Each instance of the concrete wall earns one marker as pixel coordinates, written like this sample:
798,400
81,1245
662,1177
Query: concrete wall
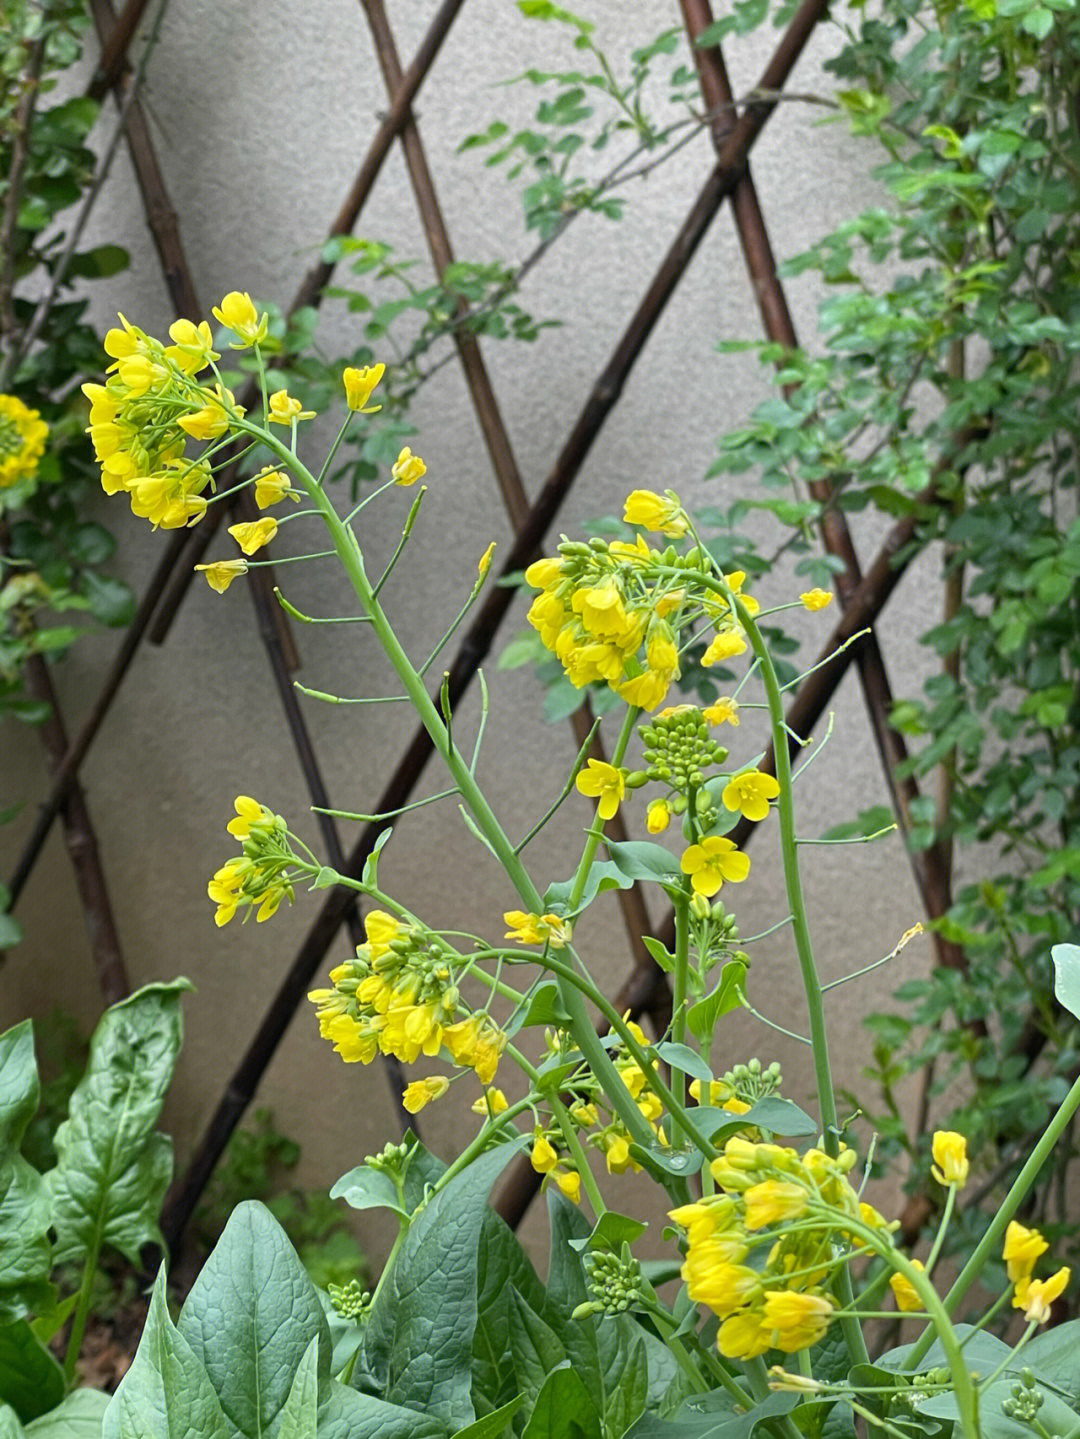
262,114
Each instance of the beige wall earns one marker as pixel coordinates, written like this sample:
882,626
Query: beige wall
262,114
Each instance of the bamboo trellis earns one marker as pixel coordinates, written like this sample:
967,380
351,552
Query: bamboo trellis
863,592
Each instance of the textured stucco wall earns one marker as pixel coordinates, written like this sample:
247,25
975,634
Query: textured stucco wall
261,114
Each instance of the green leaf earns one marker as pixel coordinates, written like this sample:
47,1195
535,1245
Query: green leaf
300,1415
638,859
111,601
113,1169
602,876
25,1205
779,1116
166,1394
1066,959
250,1317
345,1414
725,997
610,1231
98,263
78,1417
1052,1356
31,1381
366,1188
681,1056
660,953
493,1424
419,1337
563,1409
370,875
505,1280
10,1428
709,1416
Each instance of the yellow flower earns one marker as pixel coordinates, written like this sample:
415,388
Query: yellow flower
485,560
604,782
617,1153
359,385
192,348
537,929
1035,1296
797,1321
907,1296
744,1336
750,793
284,409
816,599
725,646
22,440
122,344
656,512
1022,1248
569,1181
772,1200
254,534
423,1091
712,862
658,816
543,1156
221,573
237,313
272,486
584,1114
492,1101
950,1158
408,468
722,711
248,812
544,574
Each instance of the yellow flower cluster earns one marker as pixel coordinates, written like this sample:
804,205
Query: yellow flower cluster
22,440
143,416
398,996
797,1205
261,875
1023,1247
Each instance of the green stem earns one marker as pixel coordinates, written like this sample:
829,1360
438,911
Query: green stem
681,907
479,1144
991,1240
82,1314
939,1238
577,1151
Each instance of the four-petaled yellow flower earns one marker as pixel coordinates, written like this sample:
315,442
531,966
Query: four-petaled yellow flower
283,409
660,513
907,1296
750,793
408,468
725,645
22,440
252,535
1035,1296
423,1091
538,929
816,599
722,711
272,486
221,573
248,812
950,1158
237,313
359,385
712,862
604,782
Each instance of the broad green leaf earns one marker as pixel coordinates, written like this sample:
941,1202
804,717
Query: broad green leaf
699,1419
545,1007
602,876
346,1414
31,1381
78,1417
250,1318
166,1394
300,1416
779,1116
994,1423
982,1351
639,859
367,1188
10,1428
25,1205
1066,959
503,1272
610,1231
493,1424
725,997
1052,1355
113,1169
626,1388
419,1336
563,1409
681,1056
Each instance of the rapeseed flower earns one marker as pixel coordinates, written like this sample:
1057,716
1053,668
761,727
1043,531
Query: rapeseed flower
950,1158
750,792
712,862
359,384
252,535
221,573
23,434
408,468
603,782
237,313
816,599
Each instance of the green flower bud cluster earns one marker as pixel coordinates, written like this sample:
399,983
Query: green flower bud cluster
392,1159
753,1081
1025,1401
614,1281
679,749
350,1300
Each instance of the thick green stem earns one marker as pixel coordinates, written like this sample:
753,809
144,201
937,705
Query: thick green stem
82,1314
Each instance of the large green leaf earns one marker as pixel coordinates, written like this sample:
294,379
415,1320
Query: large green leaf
699,1419
250,1318
166,1393
25,1206
300,1416
419,1337
1066,959
78,1417
503,1271
563,1409
10,1428
113,1169
31,1381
